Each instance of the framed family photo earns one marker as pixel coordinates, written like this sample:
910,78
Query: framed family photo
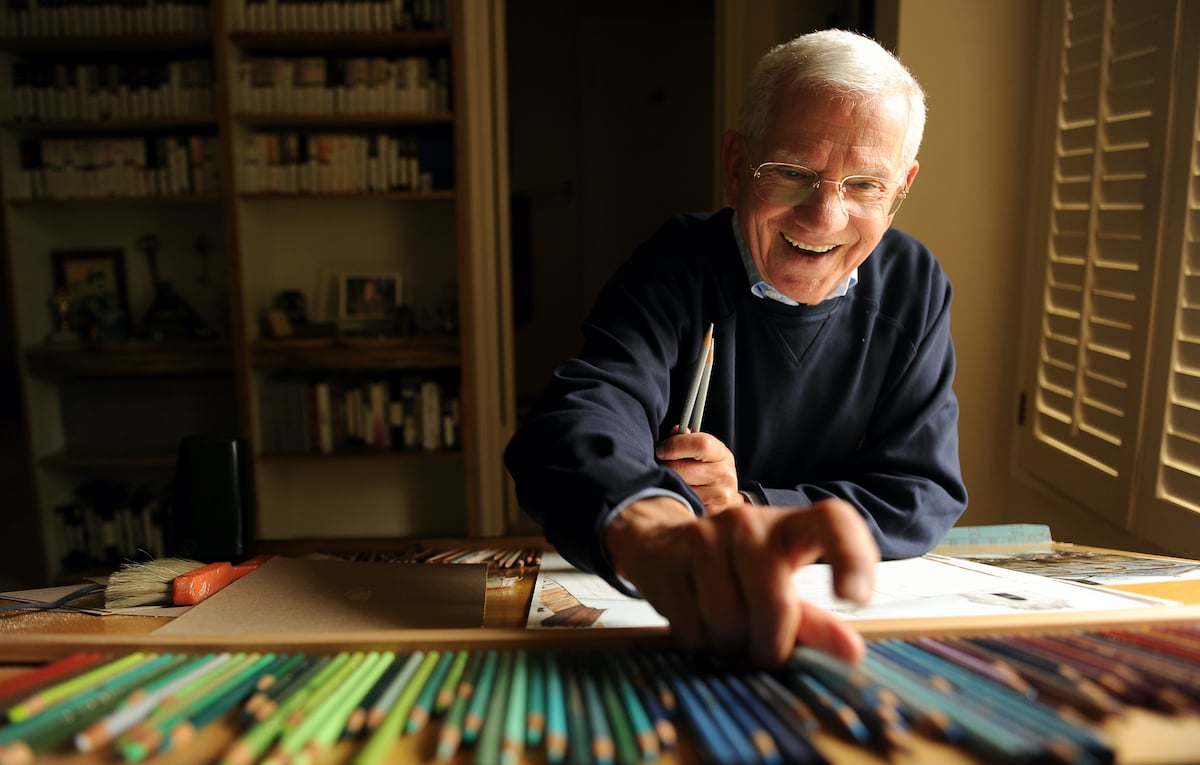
93,283
368,295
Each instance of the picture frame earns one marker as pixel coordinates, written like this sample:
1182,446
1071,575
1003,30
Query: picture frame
92,282
371,296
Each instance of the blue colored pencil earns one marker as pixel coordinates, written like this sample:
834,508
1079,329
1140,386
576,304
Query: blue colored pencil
579,736
1078,742
871,704
713,737
994,739
787,744
602,725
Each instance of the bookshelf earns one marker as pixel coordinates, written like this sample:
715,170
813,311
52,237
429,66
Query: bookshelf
258,164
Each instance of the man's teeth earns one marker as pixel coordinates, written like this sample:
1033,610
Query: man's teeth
809,247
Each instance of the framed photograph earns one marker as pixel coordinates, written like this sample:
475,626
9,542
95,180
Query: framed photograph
368,295
92,283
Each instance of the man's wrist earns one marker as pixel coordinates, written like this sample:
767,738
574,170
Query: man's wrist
626,531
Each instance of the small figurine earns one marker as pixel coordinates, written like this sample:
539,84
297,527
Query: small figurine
61,301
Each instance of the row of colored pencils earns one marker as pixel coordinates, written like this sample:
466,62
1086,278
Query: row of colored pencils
1010,698
504,558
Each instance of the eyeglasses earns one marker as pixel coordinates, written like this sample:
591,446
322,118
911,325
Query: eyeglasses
863,196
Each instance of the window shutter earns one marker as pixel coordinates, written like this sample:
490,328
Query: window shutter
1097,236
1169,510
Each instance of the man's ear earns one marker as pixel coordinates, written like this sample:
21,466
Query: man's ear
735,165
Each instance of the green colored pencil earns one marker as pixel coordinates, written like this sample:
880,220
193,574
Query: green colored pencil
253,744
331,719
449,687
379,745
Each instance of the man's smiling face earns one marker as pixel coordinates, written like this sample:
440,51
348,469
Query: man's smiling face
806,250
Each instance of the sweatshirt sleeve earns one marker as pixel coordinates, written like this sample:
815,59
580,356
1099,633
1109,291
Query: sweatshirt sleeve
587,444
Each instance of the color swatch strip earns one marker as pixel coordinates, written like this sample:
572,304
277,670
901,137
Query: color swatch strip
1007,698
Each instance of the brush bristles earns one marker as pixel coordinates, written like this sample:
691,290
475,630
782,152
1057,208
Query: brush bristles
145,584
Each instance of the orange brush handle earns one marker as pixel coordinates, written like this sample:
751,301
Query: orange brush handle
191,588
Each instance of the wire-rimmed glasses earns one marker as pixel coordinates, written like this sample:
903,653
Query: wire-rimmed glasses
863,196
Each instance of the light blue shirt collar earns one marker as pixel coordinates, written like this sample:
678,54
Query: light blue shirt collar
759,285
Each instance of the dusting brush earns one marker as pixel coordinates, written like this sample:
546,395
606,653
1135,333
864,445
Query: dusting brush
172,581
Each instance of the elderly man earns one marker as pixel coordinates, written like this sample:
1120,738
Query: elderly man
830,423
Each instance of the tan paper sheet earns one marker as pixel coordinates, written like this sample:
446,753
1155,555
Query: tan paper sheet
298,595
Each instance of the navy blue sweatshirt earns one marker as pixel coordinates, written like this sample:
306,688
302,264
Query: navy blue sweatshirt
850,398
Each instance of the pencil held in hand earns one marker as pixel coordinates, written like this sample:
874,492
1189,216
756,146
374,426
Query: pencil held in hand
172,581
693,408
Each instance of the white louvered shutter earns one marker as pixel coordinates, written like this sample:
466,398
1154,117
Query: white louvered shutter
1099,188
1168,507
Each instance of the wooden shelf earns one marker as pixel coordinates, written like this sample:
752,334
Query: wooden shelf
95,459
411,195
363,454
170,199
150,41
415,39
291,119
118,124
344,353
138,358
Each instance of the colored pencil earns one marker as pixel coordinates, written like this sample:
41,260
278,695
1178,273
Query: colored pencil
491,730
148,736
449,688
703,365
477,706
556,710
535,715
512,741
356,723
396,686
383,738
254,743
270,700
139,706
216,702
860,693
332,721
579,736
22,741
423,705
710,736
46,697
44,676
639,719
450,735
610,728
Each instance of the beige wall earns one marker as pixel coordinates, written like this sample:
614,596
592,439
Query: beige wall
976,60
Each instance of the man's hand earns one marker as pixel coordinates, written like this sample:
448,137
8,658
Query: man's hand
725,582
706,464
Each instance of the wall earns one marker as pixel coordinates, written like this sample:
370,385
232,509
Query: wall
976,60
